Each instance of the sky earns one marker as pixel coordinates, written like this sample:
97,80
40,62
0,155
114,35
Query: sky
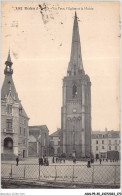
40,46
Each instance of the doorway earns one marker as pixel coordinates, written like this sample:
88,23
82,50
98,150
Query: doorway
23,153
8,145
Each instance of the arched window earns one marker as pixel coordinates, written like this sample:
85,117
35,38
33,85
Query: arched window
74,91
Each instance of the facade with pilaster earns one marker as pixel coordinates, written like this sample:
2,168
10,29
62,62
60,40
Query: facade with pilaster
14,120
76,109
106,144
38,145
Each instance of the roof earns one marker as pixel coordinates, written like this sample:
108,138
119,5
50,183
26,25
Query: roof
75,57
32,138
23,111
8,82
7,87
9,58
106,134
56,133
38,127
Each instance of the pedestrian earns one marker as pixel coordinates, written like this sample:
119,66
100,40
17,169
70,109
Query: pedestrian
88,164
64,160
17,161
74,160
47,162
41,161
44,160
100,160
56,159
53,160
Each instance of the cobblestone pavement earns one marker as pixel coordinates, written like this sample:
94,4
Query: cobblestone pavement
106,173
67,162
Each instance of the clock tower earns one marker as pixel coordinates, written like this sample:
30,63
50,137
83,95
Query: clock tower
76,109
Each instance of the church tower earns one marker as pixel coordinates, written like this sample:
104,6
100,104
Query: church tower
14,120
76,109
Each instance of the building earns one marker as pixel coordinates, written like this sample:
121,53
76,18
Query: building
76,109
14,120
54,143
106,144
38,145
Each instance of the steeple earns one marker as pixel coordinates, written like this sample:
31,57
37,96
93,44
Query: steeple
8,69
75,65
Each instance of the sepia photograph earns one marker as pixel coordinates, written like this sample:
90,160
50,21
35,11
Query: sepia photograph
60,95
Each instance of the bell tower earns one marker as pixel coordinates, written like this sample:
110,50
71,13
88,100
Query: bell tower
8,69
76,109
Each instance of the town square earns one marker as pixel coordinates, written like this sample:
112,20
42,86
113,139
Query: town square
60,104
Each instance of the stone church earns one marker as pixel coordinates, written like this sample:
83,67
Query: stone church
76,109
14,120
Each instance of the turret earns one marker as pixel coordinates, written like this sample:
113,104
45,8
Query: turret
8,69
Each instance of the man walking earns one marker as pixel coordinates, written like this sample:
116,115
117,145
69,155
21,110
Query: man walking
17,161
100,160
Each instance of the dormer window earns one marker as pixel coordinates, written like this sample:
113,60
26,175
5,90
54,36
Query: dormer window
9,109
20,110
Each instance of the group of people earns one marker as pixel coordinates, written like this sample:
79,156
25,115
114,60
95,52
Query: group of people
43,161
58,160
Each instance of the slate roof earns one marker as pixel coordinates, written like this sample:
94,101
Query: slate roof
106,134
38,128
56,133
8,81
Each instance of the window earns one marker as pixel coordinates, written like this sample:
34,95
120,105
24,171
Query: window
102,147
96,141
9,109
103,136
9,123
20,131
20,110
115,141
109,141
115,147
25,122
24,141
74,91
102,141
52,143
96,147
109,147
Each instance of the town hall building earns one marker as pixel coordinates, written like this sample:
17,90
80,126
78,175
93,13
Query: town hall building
76,109
14,120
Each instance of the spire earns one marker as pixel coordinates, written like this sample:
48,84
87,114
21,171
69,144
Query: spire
8,69
75,64
9,58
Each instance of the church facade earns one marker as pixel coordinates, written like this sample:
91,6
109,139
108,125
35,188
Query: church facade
14,120
76,109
